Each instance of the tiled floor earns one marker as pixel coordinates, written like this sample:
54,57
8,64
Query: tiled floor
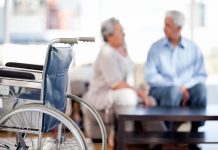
166,147
144,147
210,125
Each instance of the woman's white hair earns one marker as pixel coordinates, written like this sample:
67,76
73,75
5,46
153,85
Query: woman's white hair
177,16
107,27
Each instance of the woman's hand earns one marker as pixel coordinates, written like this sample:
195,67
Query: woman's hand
147,101
145,98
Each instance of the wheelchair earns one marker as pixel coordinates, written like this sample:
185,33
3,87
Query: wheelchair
33,101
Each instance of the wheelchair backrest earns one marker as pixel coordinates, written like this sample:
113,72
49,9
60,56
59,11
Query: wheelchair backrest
55,79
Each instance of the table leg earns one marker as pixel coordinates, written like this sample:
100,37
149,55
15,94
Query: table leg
120,145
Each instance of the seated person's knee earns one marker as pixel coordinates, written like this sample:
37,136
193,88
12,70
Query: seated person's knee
201,90
173,97
125,97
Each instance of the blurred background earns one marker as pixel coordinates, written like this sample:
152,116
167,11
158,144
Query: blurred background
28,25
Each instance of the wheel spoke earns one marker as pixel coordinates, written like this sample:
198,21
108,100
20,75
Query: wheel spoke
25,122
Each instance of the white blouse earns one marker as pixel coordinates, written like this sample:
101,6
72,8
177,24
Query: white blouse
110,68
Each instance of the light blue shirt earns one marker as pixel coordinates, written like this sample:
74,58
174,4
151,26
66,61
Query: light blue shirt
179,66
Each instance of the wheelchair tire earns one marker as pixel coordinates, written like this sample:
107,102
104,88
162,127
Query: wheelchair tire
21,130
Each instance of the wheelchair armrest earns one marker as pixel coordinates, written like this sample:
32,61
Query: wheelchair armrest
24,66
16,74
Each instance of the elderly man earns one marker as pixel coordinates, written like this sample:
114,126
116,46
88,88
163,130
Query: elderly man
175,68
109,84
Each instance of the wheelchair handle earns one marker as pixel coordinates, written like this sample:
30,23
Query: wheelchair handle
72,40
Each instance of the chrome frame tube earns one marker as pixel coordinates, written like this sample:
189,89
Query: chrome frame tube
97,117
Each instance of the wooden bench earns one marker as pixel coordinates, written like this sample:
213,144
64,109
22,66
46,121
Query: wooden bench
141,113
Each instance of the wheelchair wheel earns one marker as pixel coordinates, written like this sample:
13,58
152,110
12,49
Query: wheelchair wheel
92,113
21,129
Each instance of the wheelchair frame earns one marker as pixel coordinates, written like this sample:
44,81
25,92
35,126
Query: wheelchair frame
31,82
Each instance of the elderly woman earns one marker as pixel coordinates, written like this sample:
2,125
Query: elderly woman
109,85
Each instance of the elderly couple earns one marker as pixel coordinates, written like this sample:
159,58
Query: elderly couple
174,70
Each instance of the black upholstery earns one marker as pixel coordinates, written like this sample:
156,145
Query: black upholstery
24,65
16,74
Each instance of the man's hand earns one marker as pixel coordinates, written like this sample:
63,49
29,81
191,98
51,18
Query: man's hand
185,95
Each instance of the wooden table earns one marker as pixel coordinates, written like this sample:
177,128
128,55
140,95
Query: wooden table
141,113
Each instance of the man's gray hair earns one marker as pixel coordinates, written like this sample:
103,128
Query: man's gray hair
107,27
177,16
